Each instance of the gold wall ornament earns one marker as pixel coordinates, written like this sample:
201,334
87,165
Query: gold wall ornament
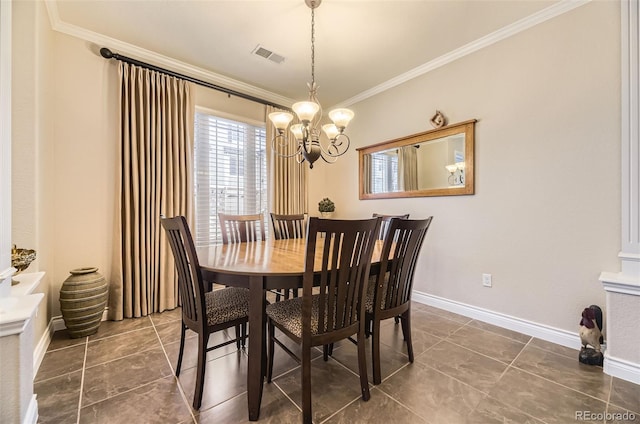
21,259
438,120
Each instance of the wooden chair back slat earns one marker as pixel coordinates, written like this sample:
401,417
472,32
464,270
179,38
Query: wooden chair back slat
403,243
190,283
289,226
241,228
384,225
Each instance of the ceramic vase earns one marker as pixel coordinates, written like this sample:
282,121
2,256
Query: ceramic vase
83,297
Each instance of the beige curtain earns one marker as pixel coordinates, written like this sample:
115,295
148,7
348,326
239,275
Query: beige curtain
155,178
407,168
366,173
287,177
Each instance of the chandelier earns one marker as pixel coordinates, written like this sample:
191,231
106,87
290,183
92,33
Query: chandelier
307,144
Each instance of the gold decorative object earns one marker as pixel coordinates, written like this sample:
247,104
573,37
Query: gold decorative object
21,259
438,120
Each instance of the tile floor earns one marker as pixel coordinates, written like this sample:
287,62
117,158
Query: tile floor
465,371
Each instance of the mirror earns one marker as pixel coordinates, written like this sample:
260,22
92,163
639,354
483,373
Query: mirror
432,163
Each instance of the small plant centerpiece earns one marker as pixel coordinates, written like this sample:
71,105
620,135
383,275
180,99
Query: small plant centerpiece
326,207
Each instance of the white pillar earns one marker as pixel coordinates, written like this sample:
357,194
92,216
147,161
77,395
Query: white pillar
17,401
5,149
622,357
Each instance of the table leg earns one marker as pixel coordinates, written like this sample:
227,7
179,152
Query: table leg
257,345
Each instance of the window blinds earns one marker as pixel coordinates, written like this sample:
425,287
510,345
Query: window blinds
230,173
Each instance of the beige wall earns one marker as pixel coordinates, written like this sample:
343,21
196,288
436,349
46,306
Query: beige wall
546,214
32,144
234,106
545,219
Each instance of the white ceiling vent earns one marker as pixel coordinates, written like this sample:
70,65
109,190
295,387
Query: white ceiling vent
268,54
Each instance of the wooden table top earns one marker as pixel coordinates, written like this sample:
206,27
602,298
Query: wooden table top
270,257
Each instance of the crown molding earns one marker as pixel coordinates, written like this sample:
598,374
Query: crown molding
505,32
157,59
160,60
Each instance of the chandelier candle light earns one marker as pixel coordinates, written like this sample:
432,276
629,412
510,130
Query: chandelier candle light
307,134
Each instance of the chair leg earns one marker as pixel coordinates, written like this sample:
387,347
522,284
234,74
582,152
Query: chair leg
306,385
271,344
202,363
367,325
325,352
244,335
375,352
406,331
238,336
182,337
362,366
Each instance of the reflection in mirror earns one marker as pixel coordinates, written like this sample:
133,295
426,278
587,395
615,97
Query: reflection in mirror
433,163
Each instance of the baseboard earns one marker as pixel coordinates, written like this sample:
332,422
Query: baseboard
41,348
55,324
615,367
530,328
31,417
622,369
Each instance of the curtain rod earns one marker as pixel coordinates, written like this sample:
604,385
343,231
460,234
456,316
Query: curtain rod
108,54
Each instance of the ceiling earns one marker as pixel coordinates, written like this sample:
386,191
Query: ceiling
361,46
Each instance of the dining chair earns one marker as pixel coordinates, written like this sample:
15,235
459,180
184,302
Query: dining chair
203,312
384,225
241,228
390,296
289,226
337,263
384,228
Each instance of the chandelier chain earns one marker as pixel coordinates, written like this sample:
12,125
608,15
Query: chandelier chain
313,49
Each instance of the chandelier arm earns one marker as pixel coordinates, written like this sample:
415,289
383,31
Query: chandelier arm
277,150
335,149
329,158
305,143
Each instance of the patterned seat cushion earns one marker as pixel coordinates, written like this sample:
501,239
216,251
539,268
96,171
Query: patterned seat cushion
288,313
371,287
226,305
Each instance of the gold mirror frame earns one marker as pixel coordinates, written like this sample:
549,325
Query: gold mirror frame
467,128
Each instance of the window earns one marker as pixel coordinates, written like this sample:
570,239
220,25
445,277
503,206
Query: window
230,172
385,171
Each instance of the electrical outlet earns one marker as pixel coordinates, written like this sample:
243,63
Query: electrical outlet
486,280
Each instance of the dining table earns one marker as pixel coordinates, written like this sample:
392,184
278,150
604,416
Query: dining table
259,266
